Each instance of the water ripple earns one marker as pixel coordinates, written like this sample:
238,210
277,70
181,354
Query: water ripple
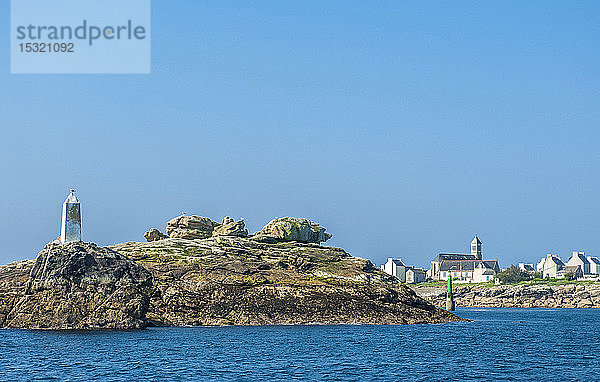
501,344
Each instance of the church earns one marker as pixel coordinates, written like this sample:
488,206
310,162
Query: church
464,267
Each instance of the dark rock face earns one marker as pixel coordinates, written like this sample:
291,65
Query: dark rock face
82,286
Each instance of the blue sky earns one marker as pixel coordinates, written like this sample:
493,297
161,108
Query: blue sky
404,128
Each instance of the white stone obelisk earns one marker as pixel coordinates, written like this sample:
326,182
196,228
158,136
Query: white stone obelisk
70,229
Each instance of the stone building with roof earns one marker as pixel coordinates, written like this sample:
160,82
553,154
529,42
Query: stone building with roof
573,270
550,266
395,267
579,259
529,268
403,272
594,265
464,267
415,275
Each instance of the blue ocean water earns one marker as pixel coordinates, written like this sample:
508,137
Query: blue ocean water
500,344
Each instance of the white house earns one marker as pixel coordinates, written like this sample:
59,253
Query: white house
550,266
594,265
540,265
579,259
395,267
403,272
481,273
526,267
415,275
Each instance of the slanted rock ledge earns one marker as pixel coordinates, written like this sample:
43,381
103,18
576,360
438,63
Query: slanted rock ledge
219,280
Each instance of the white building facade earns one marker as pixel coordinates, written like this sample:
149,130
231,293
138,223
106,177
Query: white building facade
550,266
579,259
403,272
395,267
594,265
415,275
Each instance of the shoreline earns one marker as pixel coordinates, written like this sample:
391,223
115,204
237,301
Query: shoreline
568,295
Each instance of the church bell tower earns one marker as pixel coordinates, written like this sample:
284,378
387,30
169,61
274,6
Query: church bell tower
476,248
70,229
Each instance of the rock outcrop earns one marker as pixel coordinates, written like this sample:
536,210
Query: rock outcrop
223,279
239,281
230,227
294,229
13,282
154,235
575,295
191,227
78,286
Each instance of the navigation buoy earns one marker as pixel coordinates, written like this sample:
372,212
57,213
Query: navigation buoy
450,298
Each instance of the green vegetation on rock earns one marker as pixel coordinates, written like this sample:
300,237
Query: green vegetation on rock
513,275
219,280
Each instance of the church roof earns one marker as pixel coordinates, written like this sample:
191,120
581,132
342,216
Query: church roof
454,256
476,240
468,265
492,264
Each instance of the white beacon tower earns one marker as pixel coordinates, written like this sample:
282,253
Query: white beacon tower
70,229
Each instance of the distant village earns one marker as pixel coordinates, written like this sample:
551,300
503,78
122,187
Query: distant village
472,268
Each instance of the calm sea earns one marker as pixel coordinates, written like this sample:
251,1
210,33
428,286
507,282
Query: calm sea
501,344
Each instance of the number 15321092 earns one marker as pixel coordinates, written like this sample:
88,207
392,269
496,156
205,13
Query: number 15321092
42,47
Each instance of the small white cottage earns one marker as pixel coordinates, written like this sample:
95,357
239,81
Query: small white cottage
594,265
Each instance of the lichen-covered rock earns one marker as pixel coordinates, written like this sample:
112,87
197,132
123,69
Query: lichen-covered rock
239,281
81,286
221,280
154,235
230,227
294,229
191,227
13,282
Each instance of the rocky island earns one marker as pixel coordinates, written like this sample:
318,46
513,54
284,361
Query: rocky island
206,273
